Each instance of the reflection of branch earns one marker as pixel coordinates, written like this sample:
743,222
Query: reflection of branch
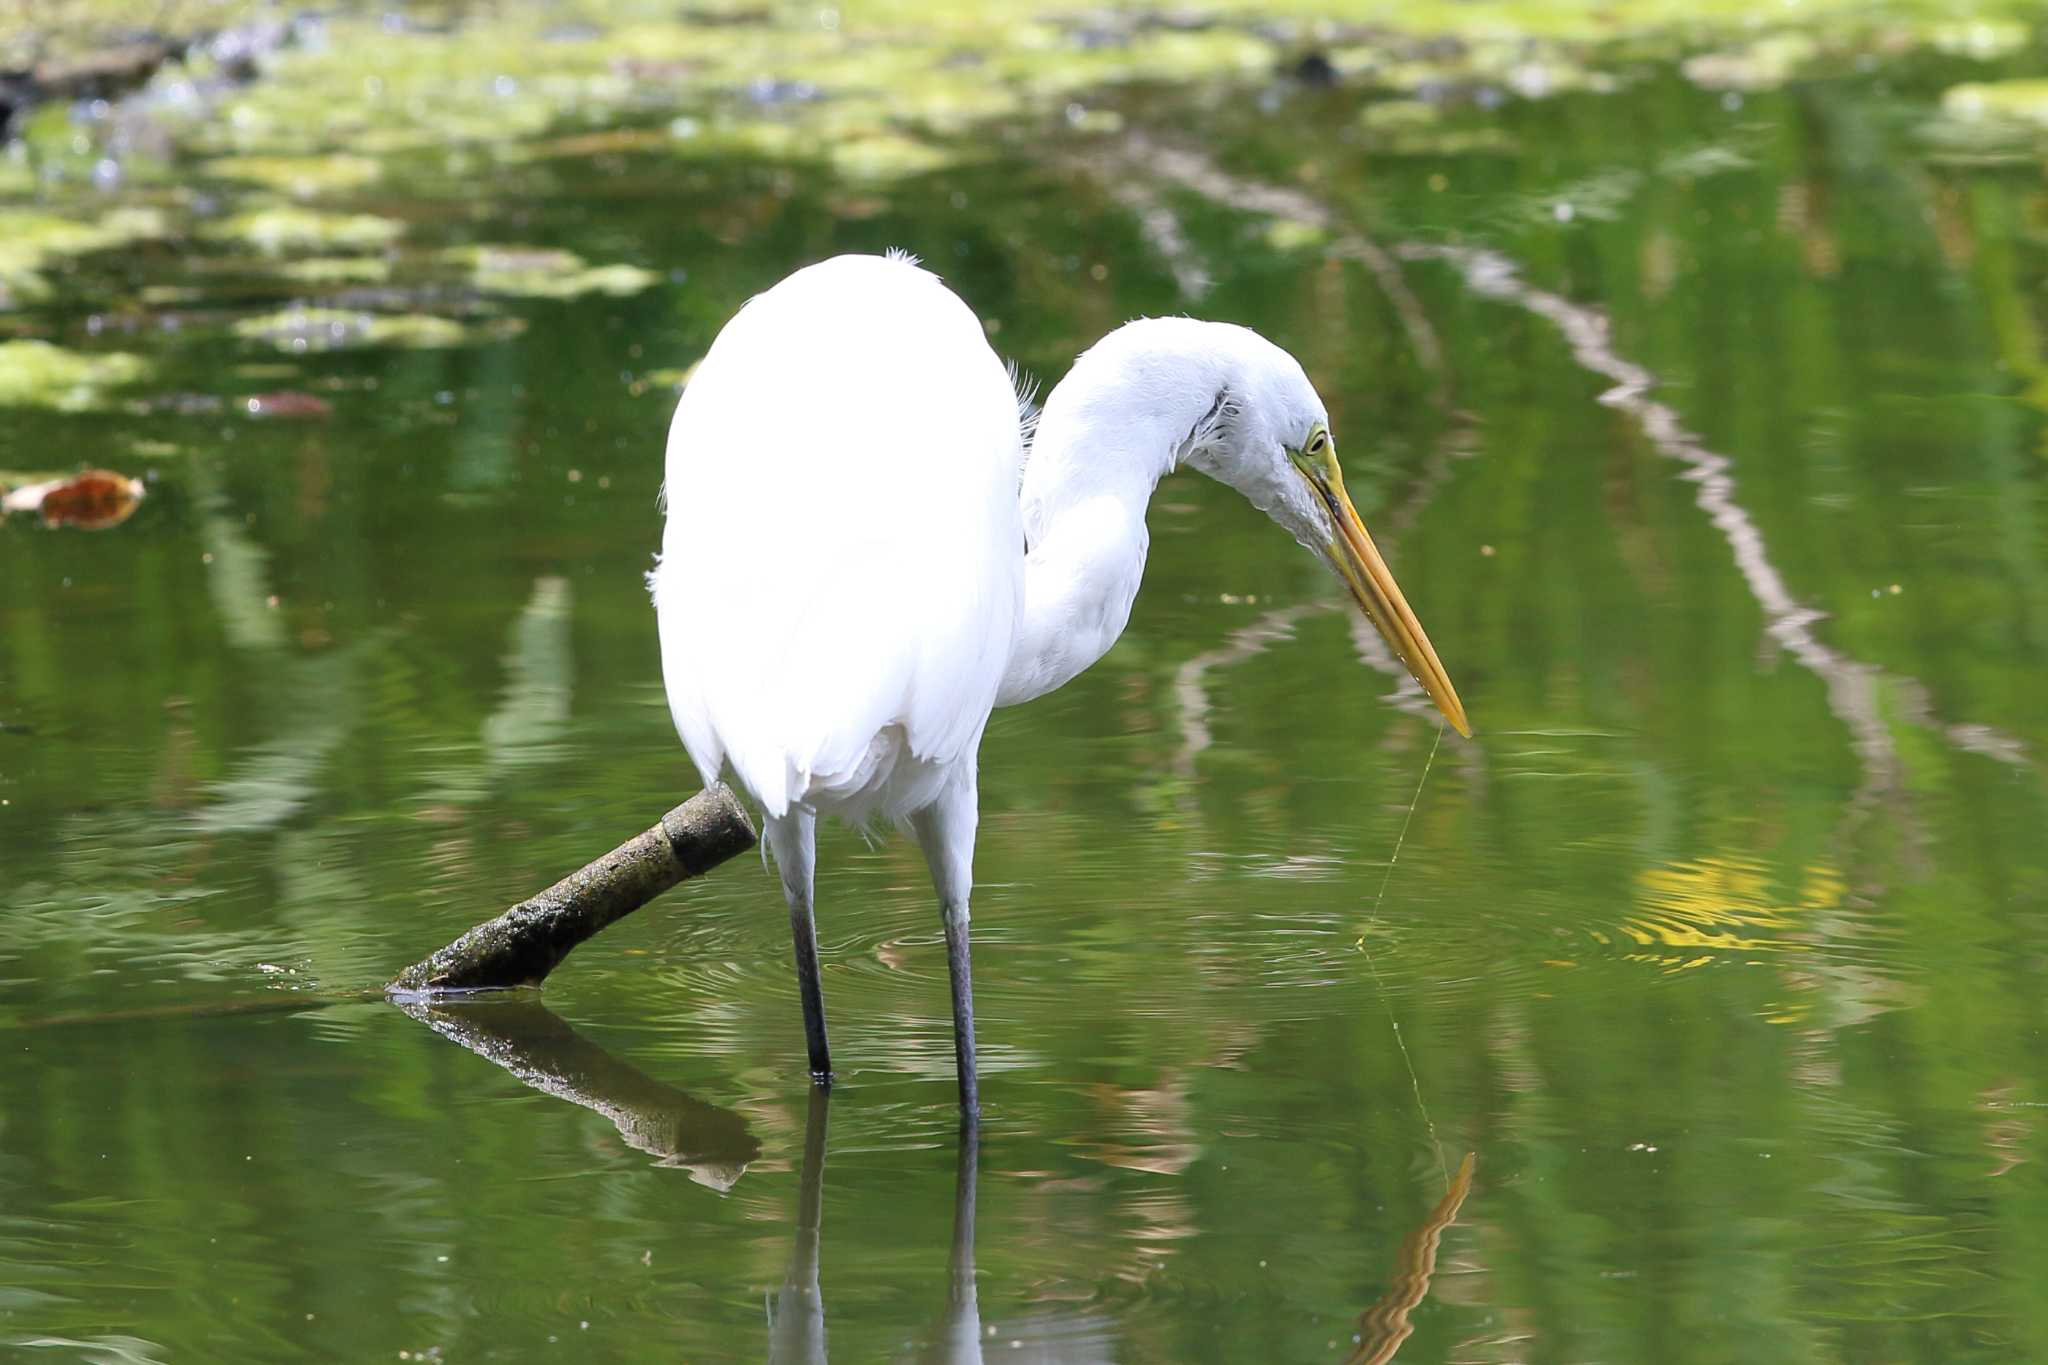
541,1050
1163,233
279,777
1851,683
1384,1326
1857,692
1408,695
1372,650
524,730
1190,693
239,570
1193,171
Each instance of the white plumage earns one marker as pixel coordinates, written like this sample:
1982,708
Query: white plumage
843,562
853,572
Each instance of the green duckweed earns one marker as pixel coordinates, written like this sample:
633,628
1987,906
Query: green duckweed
330,270
33,242
300,330
2021,101
546,273
302,177
281,229
41,374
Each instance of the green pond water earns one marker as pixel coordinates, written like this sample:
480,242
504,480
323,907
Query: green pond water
1704,428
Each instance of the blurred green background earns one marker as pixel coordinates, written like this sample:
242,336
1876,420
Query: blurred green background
1688,366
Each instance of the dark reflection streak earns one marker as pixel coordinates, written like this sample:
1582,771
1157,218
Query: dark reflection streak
533,1043
1384,1326
796,1315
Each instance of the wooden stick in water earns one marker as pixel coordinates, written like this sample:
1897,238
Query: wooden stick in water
521,946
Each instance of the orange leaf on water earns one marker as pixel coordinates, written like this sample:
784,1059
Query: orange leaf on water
92,500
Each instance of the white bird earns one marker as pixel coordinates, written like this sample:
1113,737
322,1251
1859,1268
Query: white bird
859,564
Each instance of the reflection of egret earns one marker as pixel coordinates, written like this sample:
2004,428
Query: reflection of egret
857,565
796,1315
537,1046
957,1337
796,1312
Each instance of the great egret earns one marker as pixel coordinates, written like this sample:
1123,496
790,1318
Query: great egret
859,562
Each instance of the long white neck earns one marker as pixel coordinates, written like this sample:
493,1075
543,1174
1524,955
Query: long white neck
1127,413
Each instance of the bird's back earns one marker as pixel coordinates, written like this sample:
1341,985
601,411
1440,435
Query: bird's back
842,563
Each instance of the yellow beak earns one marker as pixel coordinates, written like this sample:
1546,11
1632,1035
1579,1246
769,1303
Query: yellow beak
1372,585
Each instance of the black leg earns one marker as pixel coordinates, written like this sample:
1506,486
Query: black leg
792,838
961,968
946,830
804,931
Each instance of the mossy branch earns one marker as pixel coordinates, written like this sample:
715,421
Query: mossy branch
521,946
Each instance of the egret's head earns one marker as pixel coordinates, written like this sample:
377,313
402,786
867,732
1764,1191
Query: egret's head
1269,438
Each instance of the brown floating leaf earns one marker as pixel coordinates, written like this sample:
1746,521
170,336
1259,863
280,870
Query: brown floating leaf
91,501
287,403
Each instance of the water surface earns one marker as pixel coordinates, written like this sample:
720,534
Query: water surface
1705,434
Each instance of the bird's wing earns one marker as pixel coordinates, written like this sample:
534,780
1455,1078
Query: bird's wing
843,550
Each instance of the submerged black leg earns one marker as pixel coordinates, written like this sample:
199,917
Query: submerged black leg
960,967
793,840
803,931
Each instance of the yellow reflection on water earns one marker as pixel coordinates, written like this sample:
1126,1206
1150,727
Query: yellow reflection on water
1722,903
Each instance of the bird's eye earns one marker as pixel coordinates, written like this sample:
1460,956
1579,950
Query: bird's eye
1318,442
